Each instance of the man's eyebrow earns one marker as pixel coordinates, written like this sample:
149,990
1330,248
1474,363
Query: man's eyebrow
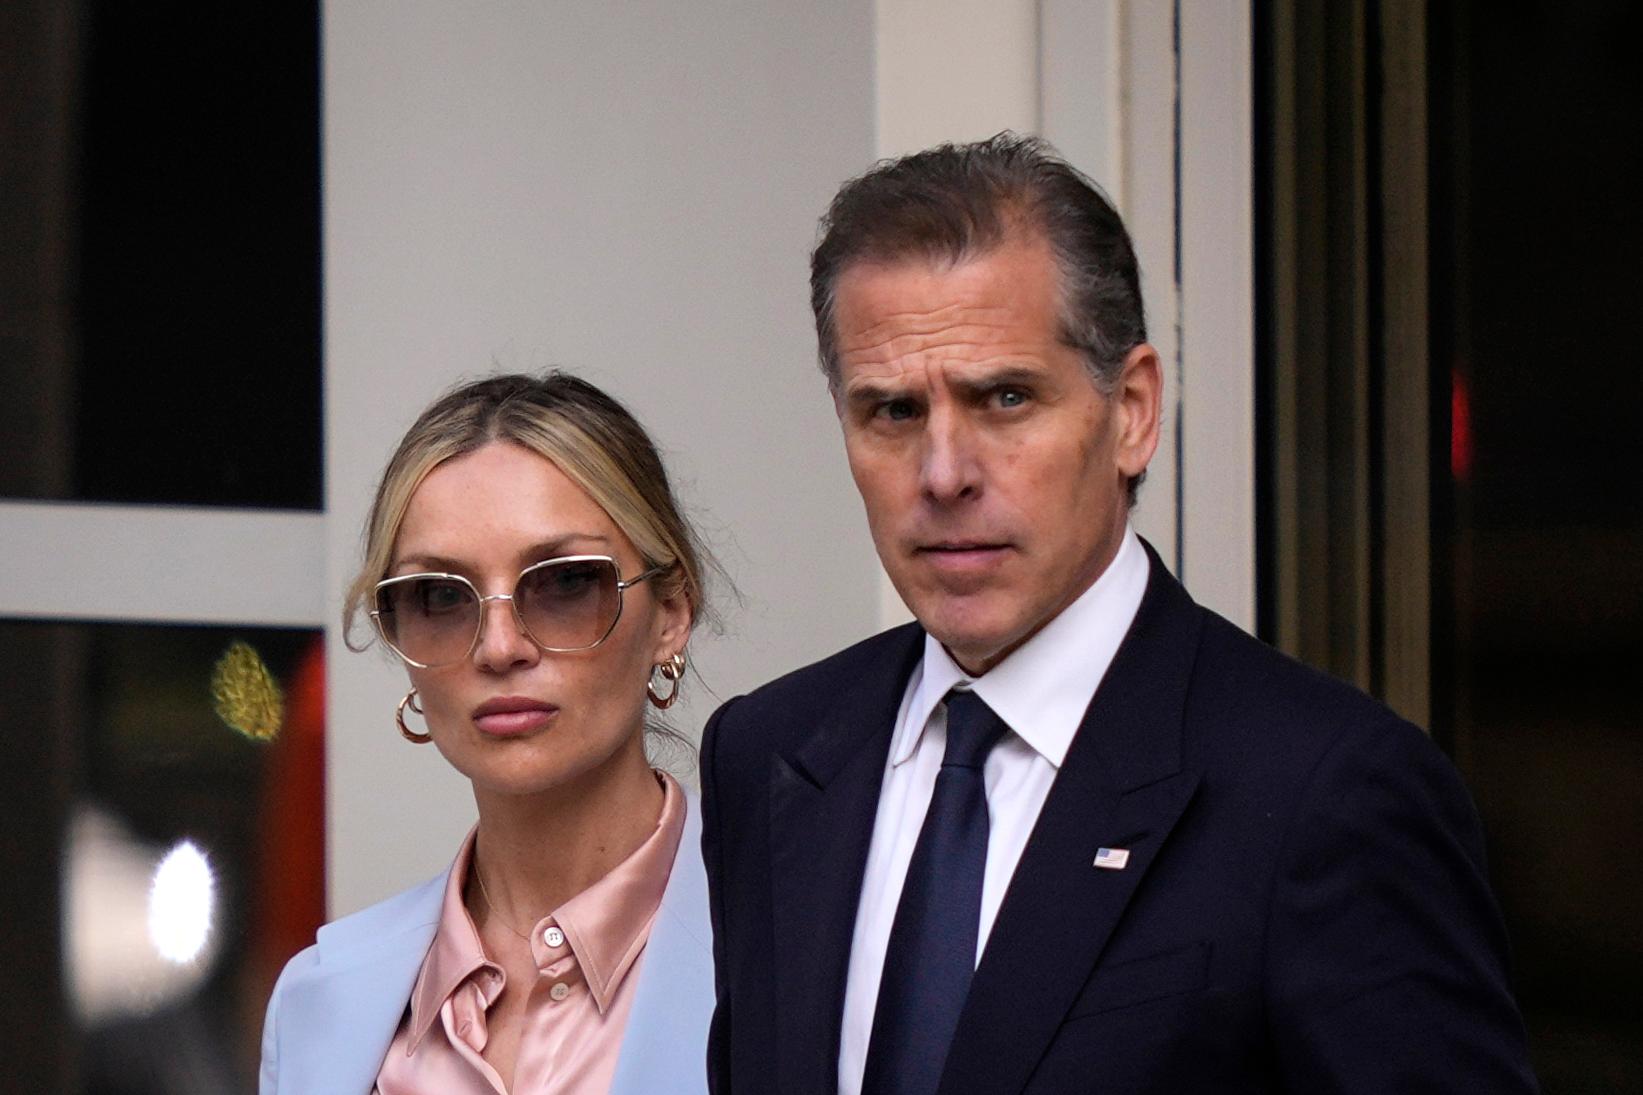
867,392
974,382
983,381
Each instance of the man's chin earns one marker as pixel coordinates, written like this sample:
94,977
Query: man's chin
976,644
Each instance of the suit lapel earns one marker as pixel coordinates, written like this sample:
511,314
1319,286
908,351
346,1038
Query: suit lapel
345,1012
667,1026
1120,786
823,798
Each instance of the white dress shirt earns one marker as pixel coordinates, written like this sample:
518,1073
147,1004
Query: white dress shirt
1041,691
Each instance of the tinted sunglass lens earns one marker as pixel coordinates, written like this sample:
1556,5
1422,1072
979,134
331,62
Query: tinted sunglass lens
568,604
430,620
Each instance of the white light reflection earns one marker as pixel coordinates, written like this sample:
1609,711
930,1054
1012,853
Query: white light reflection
117,898
180,904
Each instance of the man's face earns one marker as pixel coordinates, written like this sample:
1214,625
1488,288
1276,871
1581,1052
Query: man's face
992,469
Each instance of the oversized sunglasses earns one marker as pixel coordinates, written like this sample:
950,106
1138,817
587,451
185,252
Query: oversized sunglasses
565,604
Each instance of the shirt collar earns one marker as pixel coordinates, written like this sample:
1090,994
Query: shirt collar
1044,687
606,925
456,954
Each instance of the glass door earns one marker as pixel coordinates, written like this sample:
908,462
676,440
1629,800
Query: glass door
162,703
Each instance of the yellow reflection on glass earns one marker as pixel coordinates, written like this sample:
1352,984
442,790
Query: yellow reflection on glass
245,693
180,904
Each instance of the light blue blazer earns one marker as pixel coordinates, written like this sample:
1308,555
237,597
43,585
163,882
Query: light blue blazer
338,1004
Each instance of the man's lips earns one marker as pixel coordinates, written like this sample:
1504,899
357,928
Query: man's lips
509,716
962,556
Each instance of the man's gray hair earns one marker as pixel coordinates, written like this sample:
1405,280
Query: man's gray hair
956,202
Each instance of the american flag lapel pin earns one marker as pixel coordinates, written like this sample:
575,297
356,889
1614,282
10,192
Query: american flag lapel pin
1112,859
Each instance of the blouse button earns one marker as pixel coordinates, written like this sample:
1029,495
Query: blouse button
559,991
553,937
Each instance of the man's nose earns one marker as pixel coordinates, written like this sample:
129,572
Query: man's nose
503,643
952,468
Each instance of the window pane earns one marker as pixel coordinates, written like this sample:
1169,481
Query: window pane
186,861
166,286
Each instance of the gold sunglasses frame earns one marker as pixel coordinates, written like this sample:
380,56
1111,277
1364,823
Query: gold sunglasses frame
622,585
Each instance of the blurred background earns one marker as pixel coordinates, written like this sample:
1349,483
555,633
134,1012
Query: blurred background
1388,247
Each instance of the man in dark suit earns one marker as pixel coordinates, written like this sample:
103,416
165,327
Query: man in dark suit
1070,832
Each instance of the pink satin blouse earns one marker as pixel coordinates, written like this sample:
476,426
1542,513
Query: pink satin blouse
587,951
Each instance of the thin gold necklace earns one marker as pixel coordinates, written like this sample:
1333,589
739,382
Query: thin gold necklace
491,905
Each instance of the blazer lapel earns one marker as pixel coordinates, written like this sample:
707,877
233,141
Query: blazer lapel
664,1045
823,798
345,1012
1121,786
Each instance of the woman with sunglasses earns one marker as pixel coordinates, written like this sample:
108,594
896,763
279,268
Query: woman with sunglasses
526,560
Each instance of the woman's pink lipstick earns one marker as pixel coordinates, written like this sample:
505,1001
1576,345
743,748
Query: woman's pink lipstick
512,716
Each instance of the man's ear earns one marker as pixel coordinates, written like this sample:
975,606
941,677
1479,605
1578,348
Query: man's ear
1137,400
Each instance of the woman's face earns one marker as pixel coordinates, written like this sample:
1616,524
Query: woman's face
511,717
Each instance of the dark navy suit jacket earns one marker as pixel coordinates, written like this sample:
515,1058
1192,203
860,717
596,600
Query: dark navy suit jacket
1304,909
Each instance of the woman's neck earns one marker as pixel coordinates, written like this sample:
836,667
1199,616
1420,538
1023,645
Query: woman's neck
538,851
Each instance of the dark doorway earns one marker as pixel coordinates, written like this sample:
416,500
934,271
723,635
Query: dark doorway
1451,514
1537,164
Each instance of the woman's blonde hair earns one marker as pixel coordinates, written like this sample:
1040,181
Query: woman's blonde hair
583,432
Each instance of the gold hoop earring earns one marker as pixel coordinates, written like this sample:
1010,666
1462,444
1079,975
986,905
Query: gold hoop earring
399,716
671,670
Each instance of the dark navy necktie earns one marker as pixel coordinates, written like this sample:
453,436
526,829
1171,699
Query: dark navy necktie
932,948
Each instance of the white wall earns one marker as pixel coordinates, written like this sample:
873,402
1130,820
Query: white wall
629,190
1216,221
